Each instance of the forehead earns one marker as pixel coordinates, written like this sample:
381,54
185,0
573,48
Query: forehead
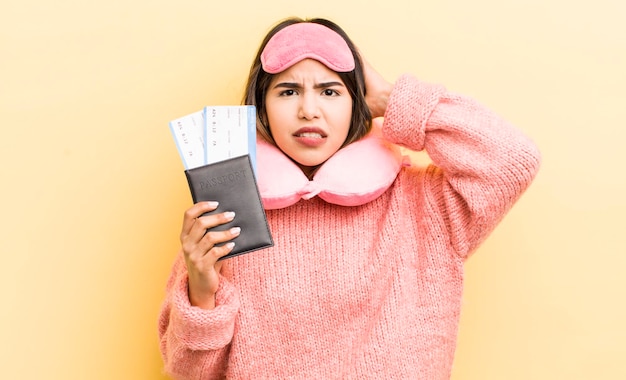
307,70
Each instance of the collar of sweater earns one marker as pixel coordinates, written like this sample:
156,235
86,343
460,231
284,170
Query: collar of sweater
355,175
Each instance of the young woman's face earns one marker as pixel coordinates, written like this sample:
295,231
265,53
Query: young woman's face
309,110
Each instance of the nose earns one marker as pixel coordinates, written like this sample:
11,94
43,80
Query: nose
309,107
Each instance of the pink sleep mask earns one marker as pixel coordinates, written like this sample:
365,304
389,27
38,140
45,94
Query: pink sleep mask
304,40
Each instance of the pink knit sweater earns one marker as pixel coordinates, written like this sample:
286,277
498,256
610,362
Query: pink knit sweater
366,292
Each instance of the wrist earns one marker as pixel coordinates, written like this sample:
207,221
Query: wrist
206,302
378,103
200,296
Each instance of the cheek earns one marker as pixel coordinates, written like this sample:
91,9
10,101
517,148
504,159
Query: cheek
344,116
273,121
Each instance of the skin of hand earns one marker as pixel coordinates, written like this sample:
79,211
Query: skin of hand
377,90
201,253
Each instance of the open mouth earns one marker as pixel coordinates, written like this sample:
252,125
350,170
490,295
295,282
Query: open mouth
311,135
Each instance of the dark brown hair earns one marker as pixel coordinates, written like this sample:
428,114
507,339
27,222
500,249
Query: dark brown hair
259,81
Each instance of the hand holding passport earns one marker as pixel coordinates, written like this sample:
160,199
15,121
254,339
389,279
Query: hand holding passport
218,148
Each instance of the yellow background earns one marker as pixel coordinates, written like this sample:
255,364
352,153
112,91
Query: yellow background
93,189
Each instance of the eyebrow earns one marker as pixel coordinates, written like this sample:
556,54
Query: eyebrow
316,86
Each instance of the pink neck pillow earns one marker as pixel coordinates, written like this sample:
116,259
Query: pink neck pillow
355,175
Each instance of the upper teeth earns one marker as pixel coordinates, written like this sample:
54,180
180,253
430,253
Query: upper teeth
310,134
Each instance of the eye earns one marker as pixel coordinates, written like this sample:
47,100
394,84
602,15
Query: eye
287,93
330,92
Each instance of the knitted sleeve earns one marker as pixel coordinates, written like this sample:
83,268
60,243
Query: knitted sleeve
482,164
194,341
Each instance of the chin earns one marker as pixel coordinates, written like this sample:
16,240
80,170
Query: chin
311,163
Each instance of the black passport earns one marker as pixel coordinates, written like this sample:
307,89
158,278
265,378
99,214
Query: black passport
232,183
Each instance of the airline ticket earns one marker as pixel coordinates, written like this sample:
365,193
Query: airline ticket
216,133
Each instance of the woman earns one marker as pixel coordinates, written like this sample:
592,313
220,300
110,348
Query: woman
365,277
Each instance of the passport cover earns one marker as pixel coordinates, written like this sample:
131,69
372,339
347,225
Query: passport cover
232,183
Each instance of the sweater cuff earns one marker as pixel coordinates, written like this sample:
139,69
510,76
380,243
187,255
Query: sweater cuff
201,329
411,103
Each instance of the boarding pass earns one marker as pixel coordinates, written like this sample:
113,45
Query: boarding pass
214,134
